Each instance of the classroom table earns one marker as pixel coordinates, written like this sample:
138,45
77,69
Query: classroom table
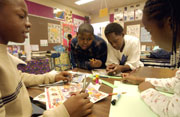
102,108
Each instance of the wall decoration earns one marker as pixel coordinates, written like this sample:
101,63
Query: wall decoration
43,42
54,33
128,13
77,22
60,15
138,11
134,30
68,16
145,35
67,28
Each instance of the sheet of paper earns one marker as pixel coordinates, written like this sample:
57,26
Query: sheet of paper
58,94
102,72
43,42
130,103
134,30
41,97
145,35
35,47
78,78
143,47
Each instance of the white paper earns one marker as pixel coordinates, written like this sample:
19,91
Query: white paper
35,47
41,97
145,36
134,30
27,49
43,42
130,103
143,48
56,95
102,72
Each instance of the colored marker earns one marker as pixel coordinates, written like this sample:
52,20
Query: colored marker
110,94
116,98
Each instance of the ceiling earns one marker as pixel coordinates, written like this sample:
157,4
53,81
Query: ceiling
94,7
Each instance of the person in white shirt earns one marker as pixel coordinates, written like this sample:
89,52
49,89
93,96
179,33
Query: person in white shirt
123,50
162,19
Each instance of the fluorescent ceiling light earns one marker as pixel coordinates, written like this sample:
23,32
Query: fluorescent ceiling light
80,2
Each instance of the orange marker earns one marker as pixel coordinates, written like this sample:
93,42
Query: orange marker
110,94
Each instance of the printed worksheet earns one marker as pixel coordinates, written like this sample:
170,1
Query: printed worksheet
58,94
41,97
102,72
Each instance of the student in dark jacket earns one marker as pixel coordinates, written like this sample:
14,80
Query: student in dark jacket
88,51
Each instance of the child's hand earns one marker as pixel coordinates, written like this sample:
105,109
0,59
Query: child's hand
132,79
95,63
144,86
113,69
79,105
64,75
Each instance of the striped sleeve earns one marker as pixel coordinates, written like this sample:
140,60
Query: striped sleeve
32,80
2,110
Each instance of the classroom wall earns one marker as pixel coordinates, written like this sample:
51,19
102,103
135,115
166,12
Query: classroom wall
40,10
97,19
53,4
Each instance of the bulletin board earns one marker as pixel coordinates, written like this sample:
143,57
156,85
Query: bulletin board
130,23
39,31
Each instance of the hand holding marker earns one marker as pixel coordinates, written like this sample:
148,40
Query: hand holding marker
115,99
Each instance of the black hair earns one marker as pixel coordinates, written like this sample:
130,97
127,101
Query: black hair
160,9
113,27
86,27
2,3
69,36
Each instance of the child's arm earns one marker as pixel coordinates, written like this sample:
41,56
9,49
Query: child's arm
32,80
2,109
165,85
102,54
77,60
162,105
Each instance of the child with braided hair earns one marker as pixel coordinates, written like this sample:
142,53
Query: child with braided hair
161,19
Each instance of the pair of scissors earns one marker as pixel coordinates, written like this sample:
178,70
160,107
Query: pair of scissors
85,84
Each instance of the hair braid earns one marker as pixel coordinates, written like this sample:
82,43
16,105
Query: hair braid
160,9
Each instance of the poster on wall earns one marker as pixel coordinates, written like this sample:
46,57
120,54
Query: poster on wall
77,22
60,15
68,15
145,35
43,42
138,11
68,28
130,13
54,33
133,30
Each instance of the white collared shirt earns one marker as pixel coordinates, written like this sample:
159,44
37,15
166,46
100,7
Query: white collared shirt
131,51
